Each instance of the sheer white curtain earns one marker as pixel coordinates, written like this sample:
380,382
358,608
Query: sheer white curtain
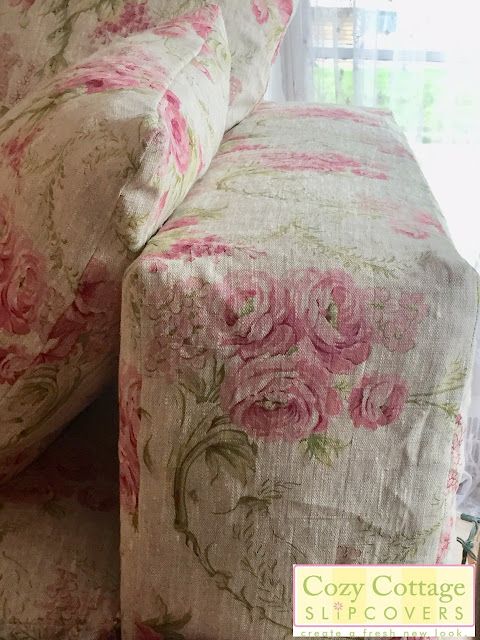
421,59
416,57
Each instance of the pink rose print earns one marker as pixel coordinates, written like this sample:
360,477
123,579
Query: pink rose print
91,314
284,397
260,11
14,362
120,71
372,119
133,19
190,249
200,20
179,323
285,8
23,4
328,308
377,401
445,539
178,130
347,555
235,88
22,284
322,163
15,149
179,223
419,227
130,385
252,312
66,604
145,632
453,481
395,318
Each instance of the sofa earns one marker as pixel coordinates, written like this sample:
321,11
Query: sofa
276,291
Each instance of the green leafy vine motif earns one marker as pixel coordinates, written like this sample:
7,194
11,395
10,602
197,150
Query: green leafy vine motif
66,20
289,190
454,380
225,450
323,448
349,257
402,547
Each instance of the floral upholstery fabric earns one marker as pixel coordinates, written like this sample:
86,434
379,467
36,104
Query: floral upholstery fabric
91,163
295,344
59,563
40,38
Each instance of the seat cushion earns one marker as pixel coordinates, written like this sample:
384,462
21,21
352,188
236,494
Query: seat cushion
295,347
91,163
38,41
59,563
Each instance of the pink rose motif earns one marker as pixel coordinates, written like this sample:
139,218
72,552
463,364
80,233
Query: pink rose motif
192,248
419,227
444,543
178,327
14,361
372,119
202,20
119,71
178,131
16,148
285,8
378,400
251,312
395,318
286,397
347,555
145,632
322,163
235,88
260,10
22,287
134,18
453,481
93,313
130,388
328,308
23,4
179,223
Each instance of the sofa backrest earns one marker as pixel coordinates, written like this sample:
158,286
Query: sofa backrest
40,37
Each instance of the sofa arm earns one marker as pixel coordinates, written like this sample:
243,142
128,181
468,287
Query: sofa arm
295,342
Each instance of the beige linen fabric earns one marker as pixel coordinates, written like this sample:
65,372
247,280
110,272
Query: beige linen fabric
40,38
91,163
295,344
59,564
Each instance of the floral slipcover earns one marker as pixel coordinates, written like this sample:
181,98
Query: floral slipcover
59,562
295,345
91,163
41,37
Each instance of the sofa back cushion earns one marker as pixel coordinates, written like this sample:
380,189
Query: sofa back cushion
91,164
41,38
